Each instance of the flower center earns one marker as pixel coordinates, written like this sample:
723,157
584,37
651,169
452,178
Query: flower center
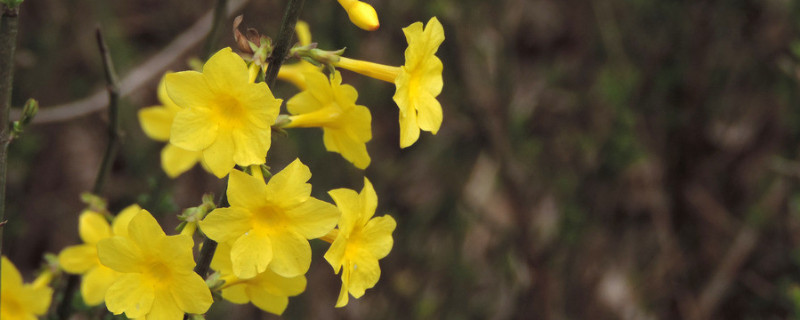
269,218
227,111
158,272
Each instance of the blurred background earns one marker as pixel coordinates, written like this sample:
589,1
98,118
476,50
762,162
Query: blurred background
617,159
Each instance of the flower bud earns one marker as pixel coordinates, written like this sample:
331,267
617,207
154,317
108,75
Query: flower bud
361,14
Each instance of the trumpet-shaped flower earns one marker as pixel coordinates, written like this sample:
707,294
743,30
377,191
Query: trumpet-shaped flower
82,259
19,300
223,114
268,291
332,106
267,224
360,241
418,82
361,14
157,280
156,123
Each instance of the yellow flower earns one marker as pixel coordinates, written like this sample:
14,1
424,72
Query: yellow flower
18,300
361,14
332,106
418,81
156,122
223,114
268,224
359,242
268,291
157,280
82,259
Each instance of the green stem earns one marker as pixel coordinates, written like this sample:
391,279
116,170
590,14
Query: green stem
8,44
283,44
213,35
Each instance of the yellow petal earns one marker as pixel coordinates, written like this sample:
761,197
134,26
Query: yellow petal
226,224
250,255
409,129
177,250
291,254
368,200
348,203
120,254
145,231
236,294
225,70
132,294
93,227
78,259
189,89
431,75
266,301
303,33
313,218
251,145
11,279
278,285
191,293
95,283
288,187
246,191
156,122
120,224
37,300
348,146
193,130
303,102
364,274
335,253
378,236
175,160
219,155
222,258
429,112
344,297
164,307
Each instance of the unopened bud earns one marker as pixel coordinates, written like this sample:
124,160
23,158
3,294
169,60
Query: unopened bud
29,111
361,14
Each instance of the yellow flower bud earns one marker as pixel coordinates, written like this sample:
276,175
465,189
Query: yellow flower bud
361,14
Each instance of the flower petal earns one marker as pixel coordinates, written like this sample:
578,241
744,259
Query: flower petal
219,155
188,89
291,254
246,191
378,236
368,200
11,278
251,144
78,259
156,122
409,129
191,293
132,294
429,112
164,307
225,71
96,282
177,250
93,227
120,224
348,203
120,254
236,294
193,130
313,218
226,224
288,187
250,254
267,301
175,160
335,254
145,231
364,274
303,102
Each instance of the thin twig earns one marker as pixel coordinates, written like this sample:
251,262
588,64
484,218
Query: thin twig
112,85
285,36
8,44
139,77
213,35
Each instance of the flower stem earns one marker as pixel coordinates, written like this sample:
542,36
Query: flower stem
8,44
213,35
113,111
283,43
